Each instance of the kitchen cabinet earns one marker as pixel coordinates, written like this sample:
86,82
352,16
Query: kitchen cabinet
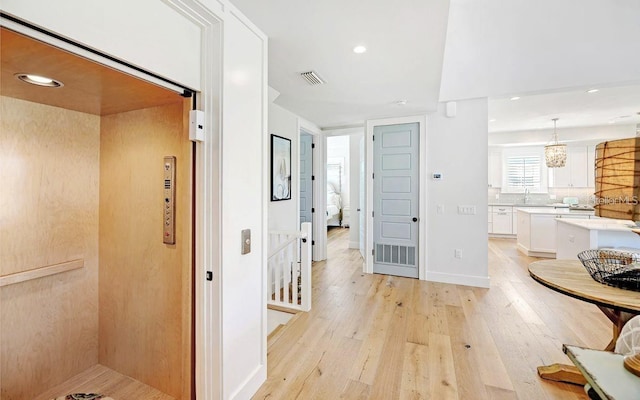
576,235
490,214
537,229
501,220
575,172
524,230
543,233
495,169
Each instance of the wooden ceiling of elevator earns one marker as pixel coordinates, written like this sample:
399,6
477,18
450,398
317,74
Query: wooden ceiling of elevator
88,86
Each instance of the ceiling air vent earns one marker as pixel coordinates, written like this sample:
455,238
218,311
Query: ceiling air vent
312,78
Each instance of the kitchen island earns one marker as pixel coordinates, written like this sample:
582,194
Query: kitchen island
537,228
574,236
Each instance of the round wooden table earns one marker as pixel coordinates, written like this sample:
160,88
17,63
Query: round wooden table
570,278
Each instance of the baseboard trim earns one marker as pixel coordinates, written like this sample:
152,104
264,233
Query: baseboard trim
354,245
251,385
456,279
541,254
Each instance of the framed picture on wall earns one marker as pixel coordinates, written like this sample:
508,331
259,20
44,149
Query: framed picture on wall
280,168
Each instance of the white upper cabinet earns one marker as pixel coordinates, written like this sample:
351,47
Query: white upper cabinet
575,173
495,168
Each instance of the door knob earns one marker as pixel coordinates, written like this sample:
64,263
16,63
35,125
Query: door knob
358,210
414,219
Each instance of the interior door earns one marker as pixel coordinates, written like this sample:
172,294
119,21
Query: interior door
306,184
395,199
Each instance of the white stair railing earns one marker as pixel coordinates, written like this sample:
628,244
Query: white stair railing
289,269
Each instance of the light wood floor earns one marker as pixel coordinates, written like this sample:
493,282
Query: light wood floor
384,337
100,379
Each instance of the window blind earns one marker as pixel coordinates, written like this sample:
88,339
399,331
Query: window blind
524,172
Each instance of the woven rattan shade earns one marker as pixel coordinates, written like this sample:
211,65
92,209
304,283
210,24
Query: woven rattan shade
618,179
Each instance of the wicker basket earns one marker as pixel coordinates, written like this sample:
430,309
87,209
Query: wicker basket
613,267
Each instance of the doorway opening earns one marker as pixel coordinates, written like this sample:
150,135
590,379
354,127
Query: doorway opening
344,189
89,281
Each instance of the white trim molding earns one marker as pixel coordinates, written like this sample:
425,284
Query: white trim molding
457,279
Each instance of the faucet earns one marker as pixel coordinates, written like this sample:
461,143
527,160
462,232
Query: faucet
526,196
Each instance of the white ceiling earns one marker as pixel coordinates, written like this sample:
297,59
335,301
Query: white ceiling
608,106
493,48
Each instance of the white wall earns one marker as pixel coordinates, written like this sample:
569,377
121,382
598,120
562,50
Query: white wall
354,179
457,148
283,215
244,197
146,33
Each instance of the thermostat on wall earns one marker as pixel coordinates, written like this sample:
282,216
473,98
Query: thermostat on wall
437,176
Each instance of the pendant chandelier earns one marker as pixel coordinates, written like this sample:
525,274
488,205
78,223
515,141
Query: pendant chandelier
555,154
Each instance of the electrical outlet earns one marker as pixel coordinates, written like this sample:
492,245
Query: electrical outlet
552,197
440,209
457,253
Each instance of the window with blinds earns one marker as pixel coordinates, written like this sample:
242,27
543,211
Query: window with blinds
524,172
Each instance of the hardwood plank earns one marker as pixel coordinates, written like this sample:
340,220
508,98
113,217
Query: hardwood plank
356,391
443,384
100,379
415,373
483,344
465,357
495,393
403,338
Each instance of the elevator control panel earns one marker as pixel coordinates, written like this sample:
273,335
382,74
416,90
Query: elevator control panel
169,201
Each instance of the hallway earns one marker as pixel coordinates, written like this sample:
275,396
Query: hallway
384,337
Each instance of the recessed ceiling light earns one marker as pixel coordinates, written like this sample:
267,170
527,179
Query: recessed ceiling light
39,80
592,90
515,98
492,120
359,49
400,102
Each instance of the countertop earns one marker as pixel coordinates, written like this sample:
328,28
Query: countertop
554,211
601,224
520,205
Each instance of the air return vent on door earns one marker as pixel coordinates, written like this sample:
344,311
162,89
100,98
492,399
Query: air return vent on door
396,255
312,78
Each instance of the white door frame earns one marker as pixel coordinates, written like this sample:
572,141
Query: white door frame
422,202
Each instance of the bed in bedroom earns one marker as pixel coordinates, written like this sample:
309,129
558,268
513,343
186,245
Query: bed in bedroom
334,193
334,206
